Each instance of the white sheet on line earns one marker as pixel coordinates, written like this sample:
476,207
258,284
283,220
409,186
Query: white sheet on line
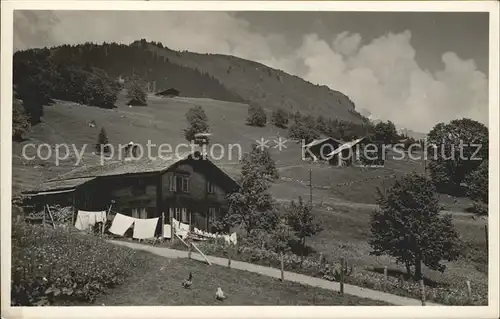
167,231
145,228
85,219
120,224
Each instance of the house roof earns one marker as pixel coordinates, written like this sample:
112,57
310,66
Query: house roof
345,146
125,167
319,141
84,174
57,186
167,91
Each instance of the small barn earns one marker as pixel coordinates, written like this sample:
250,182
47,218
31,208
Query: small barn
355,152
168,93
320,148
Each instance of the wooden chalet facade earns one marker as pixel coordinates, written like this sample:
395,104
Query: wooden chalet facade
192,190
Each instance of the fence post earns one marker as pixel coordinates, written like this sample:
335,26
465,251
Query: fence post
469,291
229,256
73,211
385,278
282,267
401,280
189,250
342,276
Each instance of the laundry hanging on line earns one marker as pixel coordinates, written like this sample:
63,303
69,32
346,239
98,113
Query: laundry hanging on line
145,228
181,229
121,223
85,219
167,231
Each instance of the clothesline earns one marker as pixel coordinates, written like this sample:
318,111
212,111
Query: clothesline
146,228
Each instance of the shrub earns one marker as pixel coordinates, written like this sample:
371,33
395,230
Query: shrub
102,145
53,266
20,120
279,118
256,116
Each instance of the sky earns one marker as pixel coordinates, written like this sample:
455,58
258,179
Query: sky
415,69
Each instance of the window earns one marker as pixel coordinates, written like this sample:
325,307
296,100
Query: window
171,183
210,188
180,214
182,183
140,212
139,187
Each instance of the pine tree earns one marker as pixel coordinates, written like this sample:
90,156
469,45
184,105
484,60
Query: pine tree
102,145
252,204
301,221
260,159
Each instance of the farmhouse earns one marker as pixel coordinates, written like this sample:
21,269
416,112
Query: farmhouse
319,149
356,152
168,92
191,189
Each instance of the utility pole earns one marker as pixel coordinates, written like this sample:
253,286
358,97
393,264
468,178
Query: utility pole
310,187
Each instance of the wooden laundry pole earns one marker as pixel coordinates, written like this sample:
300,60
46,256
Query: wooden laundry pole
73,211
163,226
50,215
43,218
202,254
106,218
172,229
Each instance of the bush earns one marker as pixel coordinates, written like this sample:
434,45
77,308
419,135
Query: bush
280,118
256,116
20,120
54,266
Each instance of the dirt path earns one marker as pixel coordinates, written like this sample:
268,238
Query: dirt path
273,272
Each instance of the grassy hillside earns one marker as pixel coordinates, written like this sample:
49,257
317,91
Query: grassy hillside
163,121
266,86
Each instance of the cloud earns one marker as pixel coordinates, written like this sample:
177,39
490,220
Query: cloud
346,43
381,76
